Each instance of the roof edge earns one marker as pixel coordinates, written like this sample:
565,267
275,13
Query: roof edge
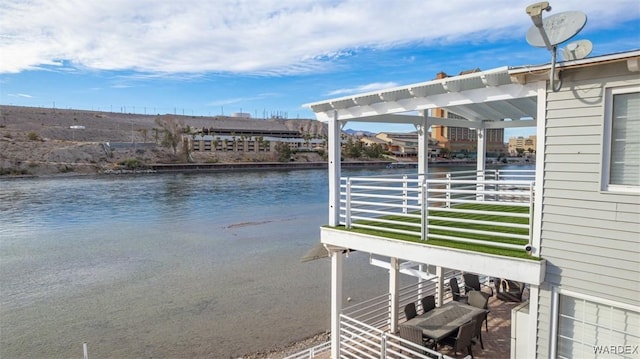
502,69
618,56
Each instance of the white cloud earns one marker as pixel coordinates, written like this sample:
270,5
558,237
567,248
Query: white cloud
242,36
20,95
363,88
231,101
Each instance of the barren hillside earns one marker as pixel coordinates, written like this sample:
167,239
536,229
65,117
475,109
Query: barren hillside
46,141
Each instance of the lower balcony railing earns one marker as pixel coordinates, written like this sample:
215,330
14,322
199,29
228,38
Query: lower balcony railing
462,207
365,326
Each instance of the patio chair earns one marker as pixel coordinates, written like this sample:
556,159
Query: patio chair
428,303
478,300
508,290
462,340
410,311
477,329
455,290
414,335
472,282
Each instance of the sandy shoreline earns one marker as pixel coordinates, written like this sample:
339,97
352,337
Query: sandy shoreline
291,348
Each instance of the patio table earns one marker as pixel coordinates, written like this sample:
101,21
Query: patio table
439,322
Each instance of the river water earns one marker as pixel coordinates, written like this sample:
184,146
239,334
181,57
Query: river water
167,266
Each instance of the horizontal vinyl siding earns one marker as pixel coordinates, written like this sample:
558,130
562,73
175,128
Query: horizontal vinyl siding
560,167
575,149
544,322
610,246
562,189
590,239
605,214
572,176
574,140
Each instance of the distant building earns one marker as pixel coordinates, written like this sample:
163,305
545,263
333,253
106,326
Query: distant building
401,144
458,139
241,134
250,144
528,144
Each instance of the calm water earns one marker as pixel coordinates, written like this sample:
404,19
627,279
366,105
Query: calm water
167,266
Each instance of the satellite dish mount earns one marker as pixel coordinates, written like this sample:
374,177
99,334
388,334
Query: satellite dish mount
553,30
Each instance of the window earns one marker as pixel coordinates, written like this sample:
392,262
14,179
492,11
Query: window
590,329
621,170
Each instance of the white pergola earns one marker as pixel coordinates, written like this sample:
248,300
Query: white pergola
499,98
496,98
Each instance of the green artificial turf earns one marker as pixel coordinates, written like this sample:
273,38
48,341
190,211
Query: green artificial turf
442,221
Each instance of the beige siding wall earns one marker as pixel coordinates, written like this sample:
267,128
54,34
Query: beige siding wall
590,238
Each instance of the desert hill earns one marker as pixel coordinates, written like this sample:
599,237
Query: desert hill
47,141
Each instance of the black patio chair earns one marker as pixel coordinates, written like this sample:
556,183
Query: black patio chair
410,311
455,291
463,339
472,282
477,329
478,300
414,335
428,303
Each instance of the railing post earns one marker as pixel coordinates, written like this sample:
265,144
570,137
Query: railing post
383,346
404,194
496,177
448,192
394,300
480,187
531,214
424,212
347,210
439,285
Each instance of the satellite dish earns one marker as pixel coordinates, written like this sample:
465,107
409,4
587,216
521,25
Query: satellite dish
577,50
558,28
552,31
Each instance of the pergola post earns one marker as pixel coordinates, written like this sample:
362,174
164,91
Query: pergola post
481,155
334,170
423,169
423,146
336,301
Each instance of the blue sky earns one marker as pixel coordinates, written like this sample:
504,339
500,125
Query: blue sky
197,57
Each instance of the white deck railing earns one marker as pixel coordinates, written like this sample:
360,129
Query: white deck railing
406,204
312,352
365,326
364,335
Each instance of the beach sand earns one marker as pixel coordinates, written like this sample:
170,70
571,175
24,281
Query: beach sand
292,348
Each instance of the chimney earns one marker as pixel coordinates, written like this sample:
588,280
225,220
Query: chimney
438,112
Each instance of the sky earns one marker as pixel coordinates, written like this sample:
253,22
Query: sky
267,58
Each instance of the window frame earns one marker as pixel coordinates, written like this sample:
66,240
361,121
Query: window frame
605,186
557,292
